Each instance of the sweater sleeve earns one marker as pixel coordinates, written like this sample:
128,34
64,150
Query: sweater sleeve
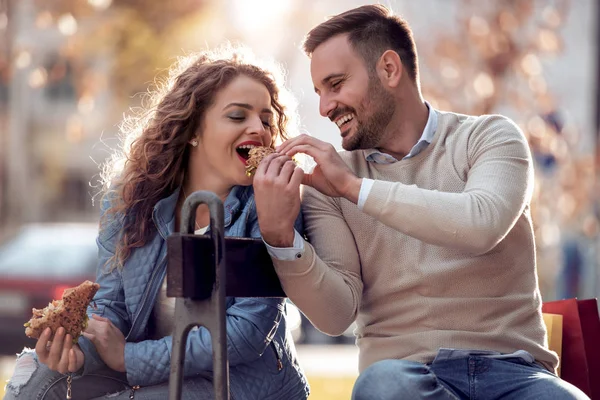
328,287
499,186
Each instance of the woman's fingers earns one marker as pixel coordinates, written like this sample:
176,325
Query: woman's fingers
297,177
94,326
275,164
72,361
90,336
287,170
41,348
56,348
63,363
99,318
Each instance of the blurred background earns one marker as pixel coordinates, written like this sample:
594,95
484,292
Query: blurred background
70,69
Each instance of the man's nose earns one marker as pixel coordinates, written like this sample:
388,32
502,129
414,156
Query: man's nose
326,106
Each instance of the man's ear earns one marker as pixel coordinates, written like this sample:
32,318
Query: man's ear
390,68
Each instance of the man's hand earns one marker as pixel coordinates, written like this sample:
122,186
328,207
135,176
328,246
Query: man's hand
61,354
109,341
331,176
277,191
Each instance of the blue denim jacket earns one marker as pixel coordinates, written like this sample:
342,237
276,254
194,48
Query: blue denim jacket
127,297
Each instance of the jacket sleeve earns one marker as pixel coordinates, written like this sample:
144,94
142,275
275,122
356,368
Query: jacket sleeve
109,301
251,325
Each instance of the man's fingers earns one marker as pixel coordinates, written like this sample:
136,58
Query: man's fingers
301,140
312,151
307,180
287,144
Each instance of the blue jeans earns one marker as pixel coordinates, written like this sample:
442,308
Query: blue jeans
32,380
472,377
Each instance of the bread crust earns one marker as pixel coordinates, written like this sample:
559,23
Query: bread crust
70,312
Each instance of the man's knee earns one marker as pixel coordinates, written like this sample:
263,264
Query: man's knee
390,379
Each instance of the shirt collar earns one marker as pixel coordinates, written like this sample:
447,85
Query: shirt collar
376,156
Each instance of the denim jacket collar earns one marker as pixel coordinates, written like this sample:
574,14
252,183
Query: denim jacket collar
164,211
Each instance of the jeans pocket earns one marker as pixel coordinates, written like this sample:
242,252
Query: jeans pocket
524,363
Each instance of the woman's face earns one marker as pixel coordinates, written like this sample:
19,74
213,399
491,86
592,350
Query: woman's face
240,118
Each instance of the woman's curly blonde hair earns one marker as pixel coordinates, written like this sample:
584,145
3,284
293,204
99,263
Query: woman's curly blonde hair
155,151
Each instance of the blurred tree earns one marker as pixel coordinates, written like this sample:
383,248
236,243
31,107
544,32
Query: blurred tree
83,60
135,36
492,62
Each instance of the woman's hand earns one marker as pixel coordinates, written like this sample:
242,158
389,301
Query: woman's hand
109,341
277,193
61,354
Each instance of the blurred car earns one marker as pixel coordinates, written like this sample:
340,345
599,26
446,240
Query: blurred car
36,266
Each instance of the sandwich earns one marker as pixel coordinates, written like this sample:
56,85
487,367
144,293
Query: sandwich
70,312
255,156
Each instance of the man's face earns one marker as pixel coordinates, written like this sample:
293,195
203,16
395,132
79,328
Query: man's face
349,96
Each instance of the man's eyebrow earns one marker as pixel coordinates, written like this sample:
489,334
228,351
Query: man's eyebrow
328,78
247,107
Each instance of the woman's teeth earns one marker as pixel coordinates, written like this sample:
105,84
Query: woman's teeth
244,149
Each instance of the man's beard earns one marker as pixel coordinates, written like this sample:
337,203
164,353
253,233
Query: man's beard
370,132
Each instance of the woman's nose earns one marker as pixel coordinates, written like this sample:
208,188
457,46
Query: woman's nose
256,126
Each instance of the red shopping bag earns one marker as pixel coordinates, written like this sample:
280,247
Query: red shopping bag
580,361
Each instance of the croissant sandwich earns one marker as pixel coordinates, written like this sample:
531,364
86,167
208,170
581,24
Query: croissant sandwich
256,155
70,312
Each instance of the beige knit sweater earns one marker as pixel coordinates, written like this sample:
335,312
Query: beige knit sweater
442,255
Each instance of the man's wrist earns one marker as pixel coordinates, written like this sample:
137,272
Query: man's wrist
353,191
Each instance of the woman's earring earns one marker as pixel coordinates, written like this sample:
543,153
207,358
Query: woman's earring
194,143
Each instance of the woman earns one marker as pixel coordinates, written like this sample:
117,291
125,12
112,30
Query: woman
195,135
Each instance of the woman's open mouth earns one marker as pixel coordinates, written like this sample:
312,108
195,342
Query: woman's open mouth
243,150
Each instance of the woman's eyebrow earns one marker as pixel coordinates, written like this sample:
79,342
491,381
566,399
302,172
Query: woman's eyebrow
247,107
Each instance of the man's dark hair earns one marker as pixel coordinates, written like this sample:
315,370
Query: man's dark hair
371,30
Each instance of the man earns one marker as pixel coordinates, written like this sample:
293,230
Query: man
420,231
